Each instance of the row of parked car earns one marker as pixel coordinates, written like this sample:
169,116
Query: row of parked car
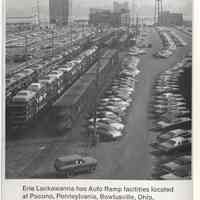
172,123
185,29
49,85
135,51
109,117
177,38
168,44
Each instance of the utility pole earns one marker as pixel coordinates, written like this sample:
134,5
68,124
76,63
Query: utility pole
161,12
95,136
158,14
133,12
34,15
71,38
38,12
137,20
25,47
52,43
155,8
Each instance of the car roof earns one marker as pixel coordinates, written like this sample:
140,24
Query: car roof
178,139
170,176
69,158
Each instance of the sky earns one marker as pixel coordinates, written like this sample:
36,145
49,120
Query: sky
81,7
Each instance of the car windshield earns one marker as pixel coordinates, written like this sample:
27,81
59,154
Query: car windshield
22,93
172,142
34,87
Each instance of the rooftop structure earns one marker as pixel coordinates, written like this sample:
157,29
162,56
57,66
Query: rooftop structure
59,11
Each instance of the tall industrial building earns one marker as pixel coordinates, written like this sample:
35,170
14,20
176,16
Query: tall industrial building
59,11
167,18
123,10
119,7
100,16
120,16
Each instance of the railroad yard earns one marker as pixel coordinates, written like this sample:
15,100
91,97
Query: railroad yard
121,99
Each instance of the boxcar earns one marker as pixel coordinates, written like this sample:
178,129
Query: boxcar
69,106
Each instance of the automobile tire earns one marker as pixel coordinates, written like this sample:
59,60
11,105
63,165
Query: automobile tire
92,169
69,174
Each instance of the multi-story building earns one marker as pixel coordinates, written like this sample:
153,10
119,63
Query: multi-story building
116,19
125,19
100,16
119,7
119,17
122,9
168,18
59,11
176,18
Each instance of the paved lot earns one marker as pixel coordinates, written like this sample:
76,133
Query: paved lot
125,159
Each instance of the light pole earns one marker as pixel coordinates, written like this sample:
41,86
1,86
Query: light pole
25,47
52,43
95,136
38,12
71,38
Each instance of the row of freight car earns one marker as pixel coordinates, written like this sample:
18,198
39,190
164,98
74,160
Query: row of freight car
31,73
27,103
50,83
81,97
28,74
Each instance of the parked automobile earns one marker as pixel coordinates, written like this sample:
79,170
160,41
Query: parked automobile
177,143
172,134
75,164
171,176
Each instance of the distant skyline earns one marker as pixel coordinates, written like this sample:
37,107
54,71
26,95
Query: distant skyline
81,7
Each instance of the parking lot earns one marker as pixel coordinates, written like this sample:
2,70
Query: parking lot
121,159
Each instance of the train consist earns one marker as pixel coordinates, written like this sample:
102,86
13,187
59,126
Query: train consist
21,79
35,87
27,103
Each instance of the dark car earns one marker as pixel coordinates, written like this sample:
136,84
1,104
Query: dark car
171,134
74,164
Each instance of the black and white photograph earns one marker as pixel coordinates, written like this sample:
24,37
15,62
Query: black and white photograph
98,89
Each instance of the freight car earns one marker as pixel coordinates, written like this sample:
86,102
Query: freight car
18,82
72,103
98,41
80,97
23,107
